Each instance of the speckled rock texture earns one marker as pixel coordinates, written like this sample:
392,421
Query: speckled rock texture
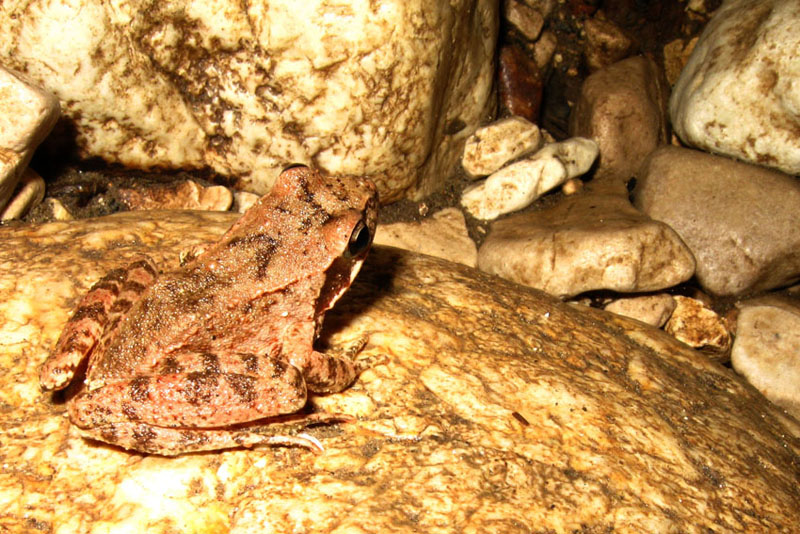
586,242
516,186
739,220
389,89
739,93
498,409
767,349
623,107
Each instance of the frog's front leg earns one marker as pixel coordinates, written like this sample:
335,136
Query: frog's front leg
104,304
148,413
336,369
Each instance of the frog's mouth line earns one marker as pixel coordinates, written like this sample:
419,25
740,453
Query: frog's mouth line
338,278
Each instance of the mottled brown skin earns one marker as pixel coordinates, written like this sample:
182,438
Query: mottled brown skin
176,362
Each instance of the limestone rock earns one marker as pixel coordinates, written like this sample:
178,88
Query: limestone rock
497,407
516,186
545,7
543,49
588,241
651,309
606,43
27,114
56,209
242,201
186,194
520,83
699,327
388,89
524,18
623,108
676,55
494,145
443,235
738,95
30,192
767,349
740,221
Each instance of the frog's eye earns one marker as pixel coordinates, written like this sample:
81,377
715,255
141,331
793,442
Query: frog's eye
359,242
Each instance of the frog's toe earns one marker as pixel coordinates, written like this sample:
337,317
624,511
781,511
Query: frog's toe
368,362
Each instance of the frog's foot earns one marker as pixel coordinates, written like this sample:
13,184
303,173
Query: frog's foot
188,256
174,441
96,314
336,369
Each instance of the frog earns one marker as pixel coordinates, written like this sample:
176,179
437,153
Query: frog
194,358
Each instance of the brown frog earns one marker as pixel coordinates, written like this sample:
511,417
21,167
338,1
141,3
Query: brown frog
184,361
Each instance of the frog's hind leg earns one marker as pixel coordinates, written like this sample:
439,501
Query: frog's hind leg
105,303
175,441
212,402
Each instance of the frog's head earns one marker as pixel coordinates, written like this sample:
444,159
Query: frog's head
348,234
307,225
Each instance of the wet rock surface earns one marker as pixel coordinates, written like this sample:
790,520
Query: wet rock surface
496,406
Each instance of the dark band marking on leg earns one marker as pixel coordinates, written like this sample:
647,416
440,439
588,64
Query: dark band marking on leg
145,266
200,387
140,389
250,362
242,385
134,287
210,363
95,311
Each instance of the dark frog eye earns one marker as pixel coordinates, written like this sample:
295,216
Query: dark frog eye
359,242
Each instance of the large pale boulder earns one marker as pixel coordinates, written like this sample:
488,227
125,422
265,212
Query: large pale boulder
739,93
27,114
389,89
497,409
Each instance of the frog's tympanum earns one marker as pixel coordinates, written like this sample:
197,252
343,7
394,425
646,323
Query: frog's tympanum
188,360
